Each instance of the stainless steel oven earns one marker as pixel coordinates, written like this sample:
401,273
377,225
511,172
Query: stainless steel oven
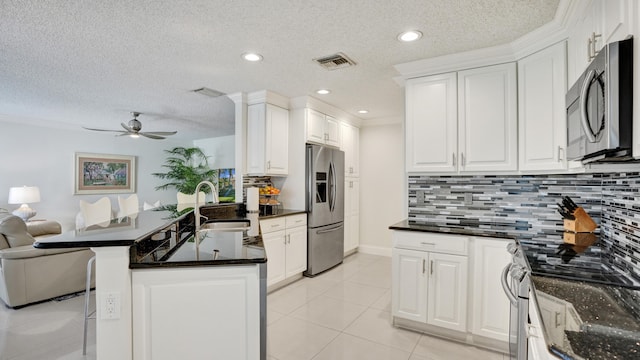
516,284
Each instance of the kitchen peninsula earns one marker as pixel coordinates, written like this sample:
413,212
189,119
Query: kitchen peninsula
160,295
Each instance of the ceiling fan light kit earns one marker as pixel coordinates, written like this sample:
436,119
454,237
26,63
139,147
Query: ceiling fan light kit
132,129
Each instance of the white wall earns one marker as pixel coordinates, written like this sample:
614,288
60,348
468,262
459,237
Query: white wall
220,150
382,185
44,157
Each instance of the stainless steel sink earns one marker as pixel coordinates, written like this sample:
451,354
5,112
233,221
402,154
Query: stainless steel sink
226,225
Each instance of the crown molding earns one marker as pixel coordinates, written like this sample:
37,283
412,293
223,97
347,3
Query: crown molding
310,102
267,96
553,32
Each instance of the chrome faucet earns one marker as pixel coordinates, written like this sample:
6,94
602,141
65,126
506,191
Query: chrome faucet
196,210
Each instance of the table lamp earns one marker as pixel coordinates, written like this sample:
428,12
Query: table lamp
24,195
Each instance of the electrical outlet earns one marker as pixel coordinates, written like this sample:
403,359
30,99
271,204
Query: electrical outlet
110,305
468,199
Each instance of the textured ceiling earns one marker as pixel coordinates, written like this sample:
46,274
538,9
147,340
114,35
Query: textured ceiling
90,63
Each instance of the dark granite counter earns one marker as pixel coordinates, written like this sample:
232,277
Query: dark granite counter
164,237
590,306
282,212
454,230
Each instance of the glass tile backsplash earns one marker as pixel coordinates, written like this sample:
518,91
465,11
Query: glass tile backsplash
525,206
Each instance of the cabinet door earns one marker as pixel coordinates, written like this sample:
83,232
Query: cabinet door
542,116
409,285
616,19
332,131
431,124
490,306
487,117
447,299
275,247
296,250
277,149
350,144
315,126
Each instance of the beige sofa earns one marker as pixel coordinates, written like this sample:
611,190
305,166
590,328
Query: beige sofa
29,275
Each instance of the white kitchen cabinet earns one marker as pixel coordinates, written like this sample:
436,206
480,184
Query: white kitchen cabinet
171,307
542,85
431,124
409,296
351,214
487,118
267,140
350,144
285,242
463,122
322,129
429,279
447,295
490,309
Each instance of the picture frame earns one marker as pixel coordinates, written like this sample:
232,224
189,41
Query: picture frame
104,174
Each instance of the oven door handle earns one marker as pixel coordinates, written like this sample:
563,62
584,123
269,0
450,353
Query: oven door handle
505,285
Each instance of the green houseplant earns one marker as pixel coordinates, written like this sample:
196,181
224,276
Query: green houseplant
186,168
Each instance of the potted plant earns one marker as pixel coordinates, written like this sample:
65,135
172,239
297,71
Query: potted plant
187,167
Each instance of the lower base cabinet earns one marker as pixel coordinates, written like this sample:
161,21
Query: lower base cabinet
450,285
201,312
285,242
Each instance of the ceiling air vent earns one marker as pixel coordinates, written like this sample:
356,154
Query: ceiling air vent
335,61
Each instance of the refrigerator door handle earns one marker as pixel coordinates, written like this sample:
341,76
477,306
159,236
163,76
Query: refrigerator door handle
330,230
332,187
310,189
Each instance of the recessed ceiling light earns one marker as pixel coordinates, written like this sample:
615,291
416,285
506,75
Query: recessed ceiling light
252,57
411,35
363,111
323,91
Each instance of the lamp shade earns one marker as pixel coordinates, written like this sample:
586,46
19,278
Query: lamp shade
24,195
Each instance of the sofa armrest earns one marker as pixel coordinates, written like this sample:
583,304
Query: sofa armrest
40,228
28,251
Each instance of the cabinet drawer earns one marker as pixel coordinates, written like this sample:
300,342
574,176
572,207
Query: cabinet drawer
432,242
296,220
271,225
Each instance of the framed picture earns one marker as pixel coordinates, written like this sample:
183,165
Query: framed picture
104,174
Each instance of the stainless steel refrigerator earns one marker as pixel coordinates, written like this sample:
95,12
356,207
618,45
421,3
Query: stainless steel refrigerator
325,207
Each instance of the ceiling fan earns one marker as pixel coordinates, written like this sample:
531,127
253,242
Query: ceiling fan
134,127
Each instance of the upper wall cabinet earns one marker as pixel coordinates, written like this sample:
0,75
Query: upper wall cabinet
487,118
602,22
350,144
322,129
465,121
542,120
431,124
267,140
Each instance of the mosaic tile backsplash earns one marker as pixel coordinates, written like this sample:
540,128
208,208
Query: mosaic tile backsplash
525,206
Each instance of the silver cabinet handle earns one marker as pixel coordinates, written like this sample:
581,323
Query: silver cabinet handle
269,164
289,239
560,153
463,163
428,243
453,156
431,268
423,265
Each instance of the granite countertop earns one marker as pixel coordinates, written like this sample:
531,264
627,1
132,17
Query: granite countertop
590,308
406,225
282,212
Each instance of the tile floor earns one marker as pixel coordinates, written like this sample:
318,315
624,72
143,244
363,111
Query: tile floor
341,314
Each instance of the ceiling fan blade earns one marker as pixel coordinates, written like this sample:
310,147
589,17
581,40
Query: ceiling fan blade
151,136
161,133
127,127
118,131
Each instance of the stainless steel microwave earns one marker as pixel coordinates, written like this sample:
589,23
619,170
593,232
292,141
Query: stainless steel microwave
600,106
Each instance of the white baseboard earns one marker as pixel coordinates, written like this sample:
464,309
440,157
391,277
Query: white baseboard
374,250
